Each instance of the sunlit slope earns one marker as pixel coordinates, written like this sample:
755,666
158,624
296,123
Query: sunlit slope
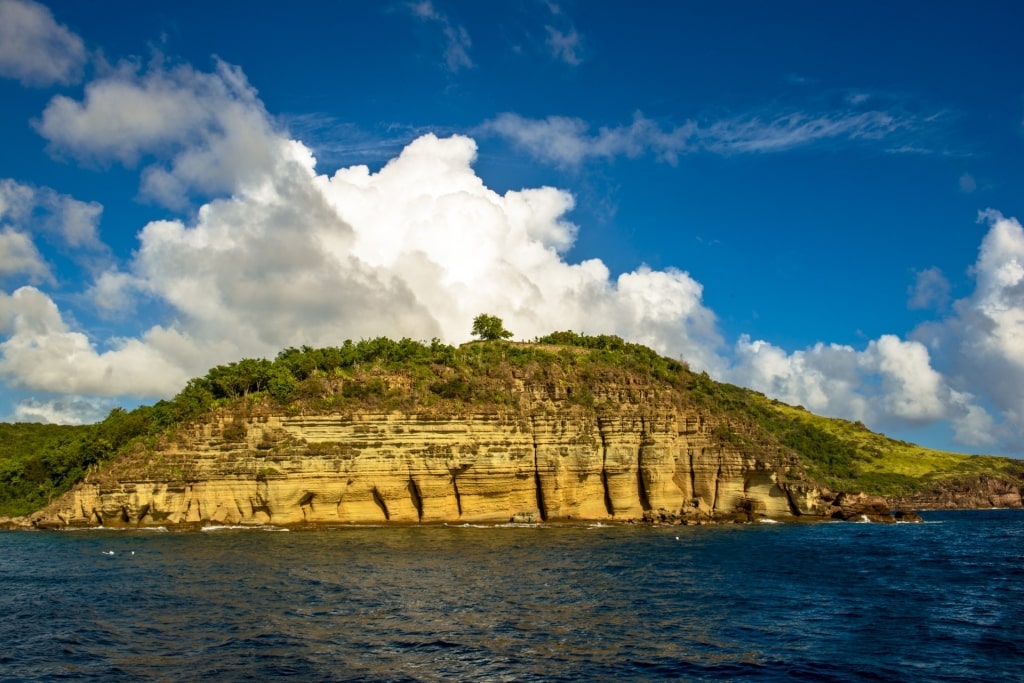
844,455
875,463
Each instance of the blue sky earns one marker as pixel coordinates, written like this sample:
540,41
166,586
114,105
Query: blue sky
821,201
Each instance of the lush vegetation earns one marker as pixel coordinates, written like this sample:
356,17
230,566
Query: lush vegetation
38,462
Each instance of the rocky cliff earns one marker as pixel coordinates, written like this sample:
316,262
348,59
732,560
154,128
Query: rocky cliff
968,494
639,456
568,428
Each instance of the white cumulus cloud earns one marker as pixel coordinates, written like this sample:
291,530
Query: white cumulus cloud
982,343
966,368
206,132
34,48
891,383
912,389
68,410
824,378
19,256
290,256
41,352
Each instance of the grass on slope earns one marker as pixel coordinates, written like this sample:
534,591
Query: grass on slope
846,455
892,467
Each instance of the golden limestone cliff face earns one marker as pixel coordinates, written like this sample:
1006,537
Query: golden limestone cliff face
646,459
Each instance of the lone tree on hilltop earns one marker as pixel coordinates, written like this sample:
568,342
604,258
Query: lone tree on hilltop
489,328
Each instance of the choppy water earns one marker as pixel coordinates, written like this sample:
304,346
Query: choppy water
941,601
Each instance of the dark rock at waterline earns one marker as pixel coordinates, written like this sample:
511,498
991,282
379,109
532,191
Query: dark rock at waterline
855,507
907,516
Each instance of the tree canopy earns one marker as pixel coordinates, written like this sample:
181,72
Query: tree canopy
489,328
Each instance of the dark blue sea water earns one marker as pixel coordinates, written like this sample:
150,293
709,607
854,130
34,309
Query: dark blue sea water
940,601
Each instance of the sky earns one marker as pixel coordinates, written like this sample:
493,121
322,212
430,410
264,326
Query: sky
820,201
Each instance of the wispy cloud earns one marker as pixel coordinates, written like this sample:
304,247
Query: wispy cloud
563,41
797,129
799,79
335,141
569,141
565,46
930,289
967,183
457,40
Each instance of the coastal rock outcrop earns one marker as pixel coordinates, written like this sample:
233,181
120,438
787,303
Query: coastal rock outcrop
967,494
641,456
861,507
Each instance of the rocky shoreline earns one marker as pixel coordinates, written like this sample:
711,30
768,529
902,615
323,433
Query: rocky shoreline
973,494
858,508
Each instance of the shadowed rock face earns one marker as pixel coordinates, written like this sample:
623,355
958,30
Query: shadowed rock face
645,459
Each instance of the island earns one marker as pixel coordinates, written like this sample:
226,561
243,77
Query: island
565,428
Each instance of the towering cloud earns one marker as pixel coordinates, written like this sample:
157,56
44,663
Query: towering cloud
282,255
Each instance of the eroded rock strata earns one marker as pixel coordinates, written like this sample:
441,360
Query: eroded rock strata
968,494
647,458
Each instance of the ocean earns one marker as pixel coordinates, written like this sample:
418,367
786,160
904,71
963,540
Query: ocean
939,601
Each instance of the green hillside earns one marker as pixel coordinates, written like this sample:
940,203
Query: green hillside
847,456
38,462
